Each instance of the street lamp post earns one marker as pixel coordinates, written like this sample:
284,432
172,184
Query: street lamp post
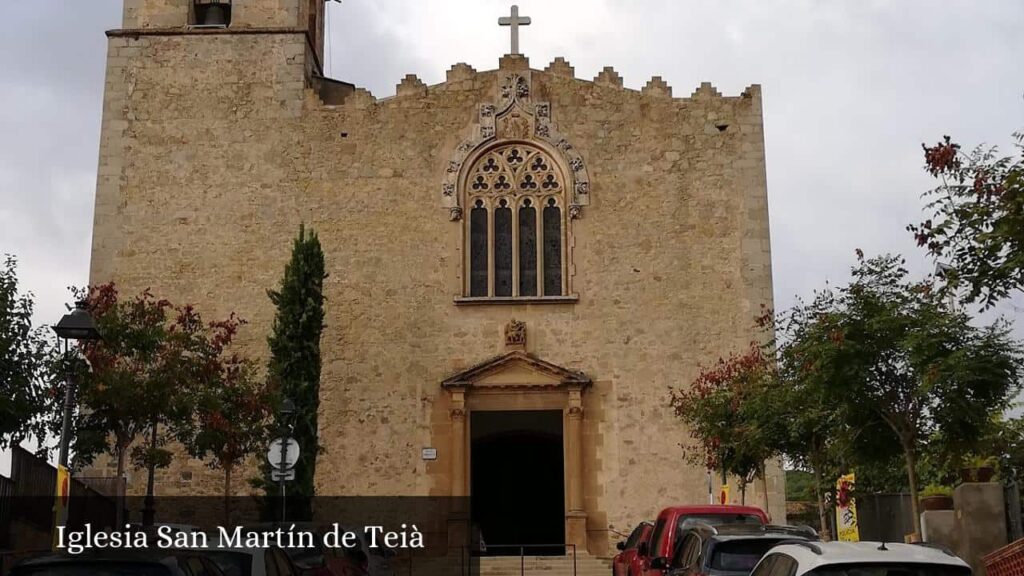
76,325
287,409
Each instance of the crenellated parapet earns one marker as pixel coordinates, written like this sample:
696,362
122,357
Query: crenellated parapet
560,67
460,71
608,77
657,87
411,86
462,77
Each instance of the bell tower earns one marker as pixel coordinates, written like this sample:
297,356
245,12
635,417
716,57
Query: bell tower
231,15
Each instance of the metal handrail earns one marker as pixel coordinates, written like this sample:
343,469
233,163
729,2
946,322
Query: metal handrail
522,553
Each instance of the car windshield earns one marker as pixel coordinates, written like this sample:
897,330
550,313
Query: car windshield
306,557
894,569
231,563
739,555
94,568
690,521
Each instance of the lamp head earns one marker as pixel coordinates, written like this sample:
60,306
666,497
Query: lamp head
77,324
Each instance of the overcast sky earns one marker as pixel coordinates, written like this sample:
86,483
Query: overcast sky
851,90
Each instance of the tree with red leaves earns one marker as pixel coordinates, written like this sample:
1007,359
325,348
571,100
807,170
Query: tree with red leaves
154,364
724,410
977,219
231,411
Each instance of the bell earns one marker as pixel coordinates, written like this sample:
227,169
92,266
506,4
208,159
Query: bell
213,12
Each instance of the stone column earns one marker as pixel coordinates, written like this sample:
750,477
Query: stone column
576,517
458,527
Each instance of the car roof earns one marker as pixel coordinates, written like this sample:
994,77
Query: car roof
715,509
816,554
752,531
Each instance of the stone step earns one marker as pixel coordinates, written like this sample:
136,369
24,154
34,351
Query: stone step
544,566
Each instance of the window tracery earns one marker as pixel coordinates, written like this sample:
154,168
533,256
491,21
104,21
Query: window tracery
516,230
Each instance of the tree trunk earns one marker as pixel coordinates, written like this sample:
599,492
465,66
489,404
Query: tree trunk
227,493
149,505
122,453
743,493
826,528
911,458
764,486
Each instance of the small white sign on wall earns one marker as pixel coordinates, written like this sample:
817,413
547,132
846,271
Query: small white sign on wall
430,453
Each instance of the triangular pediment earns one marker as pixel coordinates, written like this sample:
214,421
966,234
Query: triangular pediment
517,369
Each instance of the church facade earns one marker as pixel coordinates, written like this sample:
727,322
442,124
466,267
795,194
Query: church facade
521,262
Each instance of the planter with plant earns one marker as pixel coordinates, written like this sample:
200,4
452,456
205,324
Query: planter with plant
937,497
978,469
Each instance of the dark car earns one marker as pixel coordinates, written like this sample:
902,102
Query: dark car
121,563
625,562
731,550
674,521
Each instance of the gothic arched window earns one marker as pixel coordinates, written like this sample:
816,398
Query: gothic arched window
516,228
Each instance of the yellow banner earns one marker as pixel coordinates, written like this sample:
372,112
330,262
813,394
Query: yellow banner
846,509
723,494
60,505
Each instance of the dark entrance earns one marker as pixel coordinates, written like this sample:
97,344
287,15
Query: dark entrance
516,481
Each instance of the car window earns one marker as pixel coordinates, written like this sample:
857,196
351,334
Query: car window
195,566
894,569
691,520
766,565
634,537
784,566
739,555
690,551
270,563
231,563
680,549
284,566
659,527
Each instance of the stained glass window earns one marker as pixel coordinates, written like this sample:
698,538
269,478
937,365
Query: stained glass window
503,249
552,249
527,249
478,250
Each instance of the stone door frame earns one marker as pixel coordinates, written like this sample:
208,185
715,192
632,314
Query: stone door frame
545,386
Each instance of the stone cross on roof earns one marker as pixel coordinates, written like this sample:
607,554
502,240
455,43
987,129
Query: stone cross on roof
515,22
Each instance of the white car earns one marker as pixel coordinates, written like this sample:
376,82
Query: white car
859,559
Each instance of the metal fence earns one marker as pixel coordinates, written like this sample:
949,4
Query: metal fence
28,496
884,517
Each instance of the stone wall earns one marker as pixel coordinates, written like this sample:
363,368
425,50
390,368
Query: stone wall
214,151
244,13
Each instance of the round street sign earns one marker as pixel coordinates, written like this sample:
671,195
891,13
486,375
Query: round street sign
291,453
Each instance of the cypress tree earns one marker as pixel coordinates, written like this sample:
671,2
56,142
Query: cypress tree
294,368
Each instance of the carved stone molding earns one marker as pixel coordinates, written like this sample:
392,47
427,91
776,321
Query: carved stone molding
515,117
515,333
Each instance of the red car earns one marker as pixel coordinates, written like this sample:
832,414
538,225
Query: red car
627,562
673,522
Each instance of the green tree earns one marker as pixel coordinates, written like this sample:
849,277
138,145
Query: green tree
294,368
976,222
25,394
895,353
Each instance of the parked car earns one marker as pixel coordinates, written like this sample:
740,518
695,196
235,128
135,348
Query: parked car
730,550
859,559
673,521
121,563
272,561
626,562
